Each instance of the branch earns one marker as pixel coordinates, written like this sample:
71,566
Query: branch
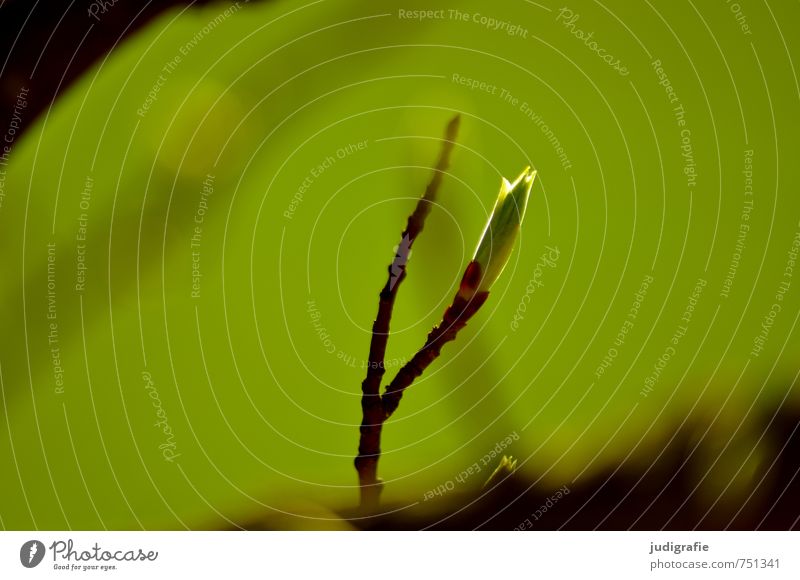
455,318
369,449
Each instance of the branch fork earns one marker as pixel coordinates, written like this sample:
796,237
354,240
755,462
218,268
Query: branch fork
490,258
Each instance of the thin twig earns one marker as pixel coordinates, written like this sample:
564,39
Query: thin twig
455,318
369,448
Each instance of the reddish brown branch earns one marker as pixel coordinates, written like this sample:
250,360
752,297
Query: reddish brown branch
369,448
455,318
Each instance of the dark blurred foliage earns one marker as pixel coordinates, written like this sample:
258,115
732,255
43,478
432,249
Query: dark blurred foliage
47,45
643,493
663,495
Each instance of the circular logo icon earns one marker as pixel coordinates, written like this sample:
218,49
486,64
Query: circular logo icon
31,553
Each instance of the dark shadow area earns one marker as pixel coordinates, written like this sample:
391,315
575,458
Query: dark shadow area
47,45
658,495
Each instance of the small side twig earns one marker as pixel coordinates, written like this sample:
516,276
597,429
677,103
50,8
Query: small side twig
373,415
455,318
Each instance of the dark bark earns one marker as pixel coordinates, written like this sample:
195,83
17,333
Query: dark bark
369,448
455,318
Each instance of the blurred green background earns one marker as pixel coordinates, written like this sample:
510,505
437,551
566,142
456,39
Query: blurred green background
257,367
